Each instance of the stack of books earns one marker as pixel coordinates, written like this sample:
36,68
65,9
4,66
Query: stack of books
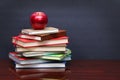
45,48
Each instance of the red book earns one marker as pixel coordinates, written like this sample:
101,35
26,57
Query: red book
32,43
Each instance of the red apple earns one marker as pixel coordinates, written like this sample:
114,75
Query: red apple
38,20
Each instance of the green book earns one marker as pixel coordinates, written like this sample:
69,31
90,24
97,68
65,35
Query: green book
57,56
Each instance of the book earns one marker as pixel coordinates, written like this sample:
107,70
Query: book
40,53
55,45
47,30
31,43
52,48
41,65
43,37
56,56
14,56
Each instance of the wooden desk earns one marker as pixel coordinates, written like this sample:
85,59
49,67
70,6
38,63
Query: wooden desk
77,70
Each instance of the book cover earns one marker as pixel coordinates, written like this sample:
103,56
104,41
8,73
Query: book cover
31,43
47,30
43,37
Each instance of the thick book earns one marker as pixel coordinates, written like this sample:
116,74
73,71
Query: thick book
52,48
14,56
41,65
47,30
31,43
43,37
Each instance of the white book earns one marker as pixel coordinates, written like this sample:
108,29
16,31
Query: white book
52,48
42,65
47,30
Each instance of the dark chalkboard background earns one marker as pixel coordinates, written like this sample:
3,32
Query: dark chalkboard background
93,25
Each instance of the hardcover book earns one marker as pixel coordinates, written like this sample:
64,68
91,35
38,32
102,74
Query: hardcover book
42,48
31,43
55,45
37,53
41,53
41,65
47,30
43,37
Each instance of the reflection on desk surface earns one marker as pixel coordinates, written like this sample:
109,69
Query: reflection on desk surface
40,74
